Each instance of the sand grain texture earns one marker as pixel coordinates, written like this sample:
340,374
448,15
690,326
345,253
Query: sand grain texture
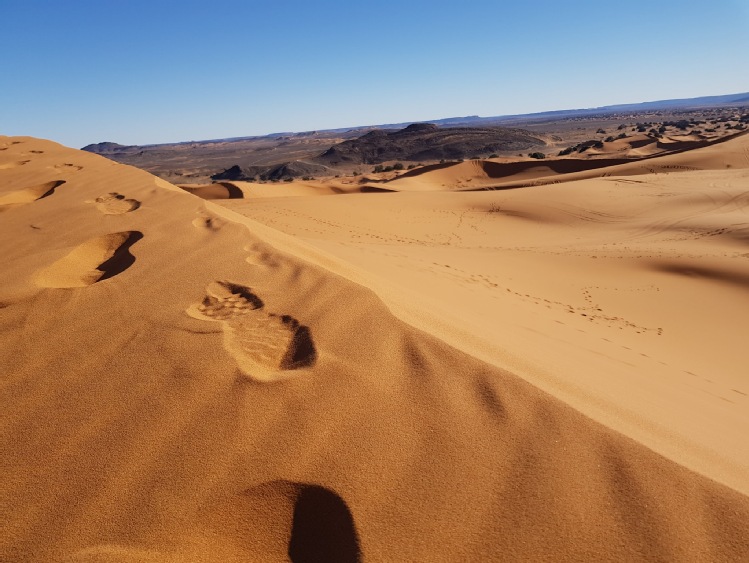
239,394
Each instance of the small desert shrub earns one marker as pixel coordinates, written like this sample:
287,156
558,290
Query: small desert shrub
538,155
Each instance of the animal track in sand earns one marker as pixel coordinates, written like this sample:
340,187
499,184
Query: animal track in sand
265,346
28,195
93,261
115,204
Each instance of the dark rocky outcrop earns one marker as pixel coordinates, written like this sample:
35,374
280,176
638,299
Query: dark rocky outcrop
294,169
426,141
108,148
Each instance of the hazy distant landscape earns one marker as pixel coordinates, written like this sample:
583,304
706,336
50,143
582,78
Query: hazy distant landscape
316,154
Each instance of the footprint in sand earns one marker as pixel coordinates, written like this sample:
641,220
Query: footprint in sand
115,204
68,167
208,223
316,521
265,346
28,195
261,256
8,165
93,261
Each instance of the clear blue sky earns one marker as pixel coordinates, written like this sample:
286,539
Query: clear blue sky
137,72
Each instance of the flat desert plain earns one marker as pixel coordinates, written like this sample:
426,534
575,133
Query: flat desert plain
441,367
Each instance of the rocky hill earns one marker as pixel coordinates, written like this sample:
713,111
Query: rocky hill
425,142
294,169
107,148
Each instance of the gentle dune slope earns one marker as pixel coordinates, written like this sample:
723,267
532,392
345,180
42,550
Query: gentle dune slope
163,414
619,294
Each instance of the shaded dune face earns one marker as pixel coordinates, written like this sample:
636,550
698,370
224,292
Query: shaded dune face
95,260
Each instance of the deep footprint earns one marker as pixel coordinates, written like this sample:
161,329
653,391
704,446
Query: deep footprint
28,195
116,204
317,522
93,261
264,345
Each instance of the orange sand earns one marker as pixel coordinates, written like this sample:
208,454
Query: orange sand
553,373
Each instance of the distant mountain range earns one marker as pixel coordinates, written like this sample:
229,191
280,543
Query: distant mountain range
741,99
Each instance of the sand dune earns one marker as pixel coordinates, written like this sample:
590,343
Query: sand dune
488,174
595,273
237,393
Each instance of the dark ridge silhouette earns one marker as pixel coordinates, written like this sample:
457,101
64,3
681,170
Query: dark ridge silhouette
323,529
121,260
280,171
426,141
